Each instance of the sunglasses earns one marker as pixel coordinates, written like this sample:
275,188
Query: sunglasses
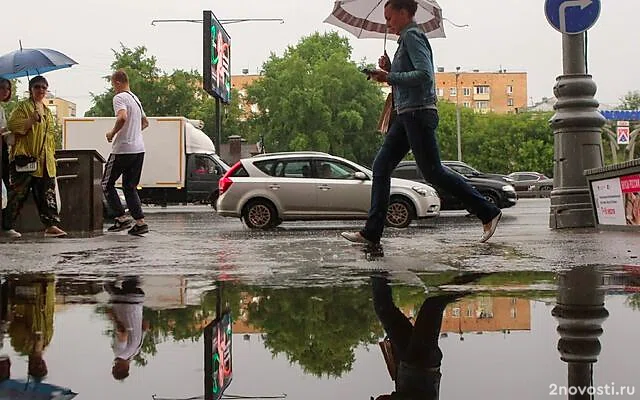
41,87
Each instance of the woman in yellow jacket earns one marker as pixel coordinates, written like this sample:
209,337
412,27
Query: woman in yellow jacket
32,123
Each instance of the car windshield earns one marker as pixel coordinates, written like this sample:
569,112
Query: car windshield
221,162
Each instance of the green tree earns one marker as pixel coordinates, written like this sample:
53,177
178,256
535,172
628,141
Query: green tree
178,93
630,101
318,328
314,98
500,143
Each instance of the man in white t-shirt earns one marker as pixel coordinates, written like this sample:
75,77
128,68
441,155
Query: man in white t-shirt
127,156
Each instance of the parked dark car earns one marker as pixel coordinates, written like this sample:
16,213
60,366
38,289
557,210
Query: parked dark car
500,193
532,183
470,172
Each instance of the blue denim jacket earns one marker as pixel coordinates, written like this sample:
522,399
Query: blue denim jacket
412,75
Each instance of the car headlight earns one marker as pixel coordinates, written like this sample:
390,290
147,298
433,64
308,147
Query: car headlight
506,178
425,191
508,188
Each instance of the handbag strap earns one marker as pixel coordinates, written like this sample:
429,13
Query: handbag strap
137,102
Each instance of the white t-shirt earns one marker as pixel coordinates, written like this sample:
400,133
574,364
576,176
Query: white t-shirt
130,316
129,139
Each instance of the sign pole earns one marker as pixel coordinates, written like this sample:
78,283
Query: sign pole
218,127
577,123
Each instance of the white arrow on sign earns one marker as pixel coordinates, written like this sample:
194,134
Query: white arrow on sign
569,4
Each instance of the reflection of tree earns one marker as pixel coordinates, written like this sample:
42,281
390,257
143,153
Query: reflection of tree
319,328
633,301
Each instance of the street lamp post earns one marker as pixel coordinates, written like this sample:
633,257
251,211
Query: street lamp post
458,117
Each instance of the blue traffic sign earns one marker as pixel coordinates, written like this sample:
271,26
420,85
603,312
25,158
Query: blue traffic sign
572,16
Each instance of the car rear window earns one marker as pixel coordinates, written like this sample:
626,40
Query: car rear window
240,172
409,172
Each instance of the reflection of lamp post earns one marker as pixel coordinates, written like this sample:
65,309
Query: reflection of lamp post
580,313
458,117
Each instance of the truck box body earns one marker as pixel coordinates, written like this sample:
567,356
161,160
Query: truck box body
173,147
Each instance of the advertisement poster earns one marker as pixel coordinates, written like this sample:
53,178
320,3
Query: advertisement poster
630,186
217,58
609,202
218,361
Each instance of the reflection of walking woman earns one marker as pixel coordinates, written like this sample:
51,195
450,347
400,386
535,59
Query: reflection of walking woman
415,347
412,79
32,124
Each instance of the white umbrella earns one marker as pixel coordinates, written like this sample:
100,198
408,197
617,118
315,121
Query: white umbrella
365,18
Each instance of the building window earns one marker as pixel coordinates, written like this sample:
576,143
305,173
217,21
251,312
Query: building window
482,89
466,91
455,313
509,89
467,104
440,92
510,102
453,92
482,105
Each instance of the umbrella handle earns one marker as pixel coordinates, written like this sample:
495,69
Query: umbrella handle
384,46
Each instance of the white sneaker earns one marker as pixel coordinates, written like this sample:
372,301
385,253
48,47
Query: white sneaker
12,233
355,237
486,235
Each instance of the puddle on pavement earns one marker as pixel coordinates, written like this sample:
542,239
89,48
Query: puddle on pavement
524,335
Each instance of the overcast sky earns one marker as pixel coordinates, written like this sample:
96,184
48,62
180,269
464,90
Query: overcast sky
514,35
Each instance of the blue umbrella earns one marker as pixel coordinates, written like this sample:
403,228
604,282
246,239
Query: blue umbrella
26,62
20,389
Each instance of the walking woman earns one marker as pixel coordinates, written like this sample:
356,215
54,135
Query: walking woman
412,79
32,161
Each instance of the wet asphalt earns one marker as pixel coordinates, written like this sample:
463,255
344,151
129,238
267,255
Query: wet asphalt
195,241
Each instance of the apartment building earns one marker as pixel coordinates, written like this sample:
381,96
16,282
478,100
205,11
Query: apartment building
60,108
500,92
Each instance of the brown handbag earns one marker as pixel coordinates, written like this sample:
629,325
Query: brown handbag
385,117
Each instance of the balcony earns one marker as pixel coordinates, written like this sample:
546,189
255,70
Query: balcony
482,96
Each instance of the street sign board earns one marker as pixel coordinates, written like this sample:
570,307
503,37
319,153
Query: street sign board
625,115
217,58
623,134
572,16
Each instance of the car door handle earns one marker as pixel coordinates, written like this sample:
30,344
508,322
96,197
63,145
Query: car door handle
324,188
274,187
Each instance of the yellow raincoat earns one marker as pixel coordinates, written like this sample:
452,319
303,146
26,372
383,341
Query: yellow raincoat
30,142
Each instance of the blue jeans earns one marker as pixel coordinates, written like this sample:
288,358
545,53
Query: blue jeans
416,130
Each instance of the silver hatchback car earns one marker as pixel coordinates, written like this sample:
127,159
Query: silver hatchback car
267,189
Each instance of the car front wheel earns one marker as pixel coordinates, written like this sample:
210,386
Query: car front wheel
260,214
492,198
400,213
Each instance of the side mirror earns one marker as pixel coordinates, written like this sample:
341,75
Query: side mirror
360,175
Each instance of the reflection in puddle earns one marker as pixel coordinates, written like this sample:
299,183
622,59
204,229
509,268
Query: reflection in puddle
135,337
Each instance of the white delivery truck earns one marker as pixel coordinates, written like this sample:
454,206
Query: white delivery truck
180,164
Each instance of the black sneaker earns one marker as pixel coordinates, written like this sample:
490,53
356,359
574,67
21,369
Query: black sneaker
139,229
119,226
